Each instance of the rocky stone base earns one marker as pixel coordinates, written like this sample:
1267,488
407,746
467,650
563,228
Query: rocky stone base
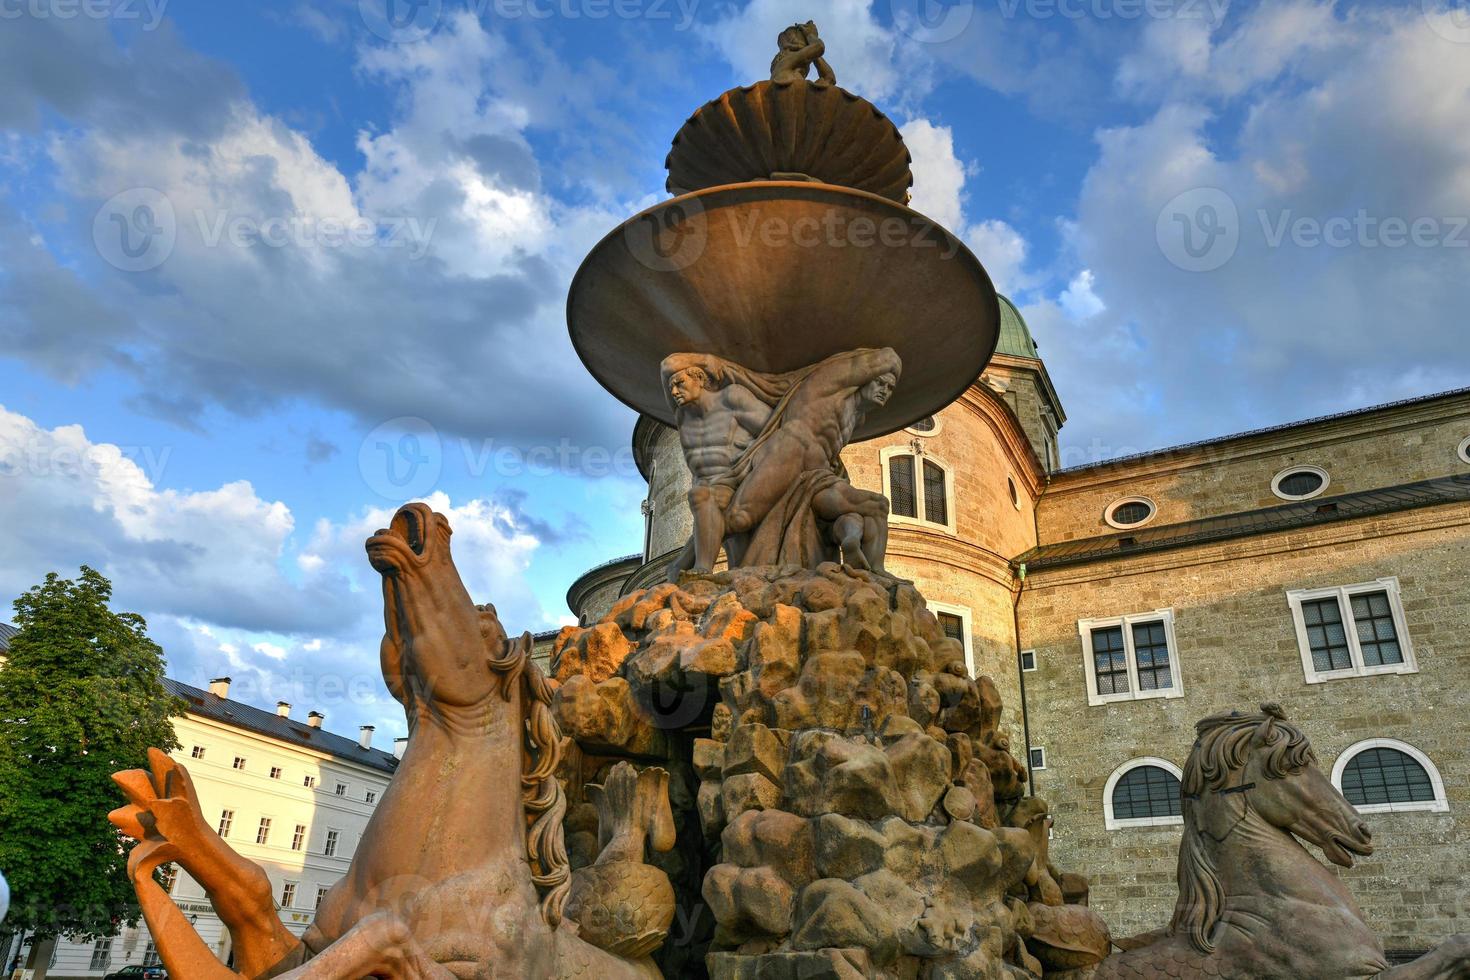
850,770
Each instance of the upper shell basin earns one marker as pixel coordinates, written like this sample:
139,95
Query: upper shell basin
771,128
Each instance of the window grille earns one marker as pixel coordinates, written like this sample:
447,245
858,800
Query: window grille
1110,659
1147,792
1327,635
1378,776
902,499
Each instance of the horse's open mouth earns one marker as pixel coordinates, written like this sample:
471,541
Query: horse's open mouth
401,542
1341,848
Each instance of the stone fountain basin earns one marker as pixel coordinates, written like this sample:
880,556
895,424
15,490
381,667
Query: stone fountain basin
776,275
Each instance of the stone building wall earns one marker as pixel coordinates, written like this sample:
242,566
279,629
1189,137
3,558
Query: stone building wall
1236,647
1386,447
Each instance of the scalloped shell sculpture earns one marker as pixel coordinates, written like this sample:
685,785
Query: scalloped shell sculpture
777,130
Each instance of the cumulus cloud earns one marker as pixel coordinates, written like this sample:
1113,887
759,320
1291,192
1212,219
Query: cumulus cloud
207,568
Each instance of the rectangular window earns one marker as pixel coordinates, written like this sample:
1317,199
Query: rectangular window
308,782
299,837
288,894
901,497
239,762
953,626
168,876
1352,631
330,847
1038,758
275,772
1028,660
954,623
341,789
936,494
226,818
263,833
197,752
101,954
150,955
321,894
372,797
1130,658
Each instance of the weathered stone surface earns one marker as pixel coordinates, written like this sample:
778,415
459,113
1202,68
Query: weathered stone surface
604,716
709,758
774,839
749,901
832,774
595,653
823,964
754,748
834,913
846,848
959,803
710,802
921,769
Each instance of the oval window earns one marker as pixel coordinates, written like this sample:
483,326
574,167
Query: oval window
1465,450
1130,512
1300,482
926,424
1015,494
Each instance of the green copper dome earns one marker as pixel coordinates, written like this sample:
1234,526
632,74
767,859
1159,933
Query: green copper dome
1015,337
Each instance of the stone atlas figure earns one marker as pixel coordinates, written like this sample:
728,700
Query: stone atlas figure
763,450
804,749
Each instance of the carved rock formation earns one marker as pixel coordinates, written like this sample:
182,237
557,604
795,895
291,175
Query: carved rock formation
847,775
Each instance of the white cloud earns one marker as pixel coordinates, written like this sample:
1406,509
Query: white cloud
1078,300
939,175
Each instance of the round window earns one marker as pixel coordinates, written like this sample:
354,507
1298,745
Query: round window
926,424
1300,482
1015,494
1465,450
1130,512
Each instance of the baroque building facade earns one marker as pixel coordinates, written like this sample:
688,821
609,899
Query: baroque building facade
287,794
1321,564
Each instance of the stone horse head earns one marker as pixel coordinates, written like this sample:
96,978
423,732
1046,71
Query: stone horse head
1258,764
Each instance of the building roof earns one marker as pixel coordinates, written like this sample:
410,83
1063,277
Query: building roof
6,632
1285,426
1287,517
272,725
1015,336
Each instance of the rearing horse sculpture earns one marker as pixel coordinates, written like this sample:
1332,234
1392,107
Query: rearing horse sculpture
1253,903
462,871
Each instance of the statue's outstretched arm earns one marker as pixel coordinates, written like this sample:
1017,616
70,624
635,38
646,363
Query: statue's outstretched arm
854,369
1450,960
163,815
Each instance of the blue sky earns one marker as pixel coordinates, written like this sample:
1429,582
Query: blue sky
1215,216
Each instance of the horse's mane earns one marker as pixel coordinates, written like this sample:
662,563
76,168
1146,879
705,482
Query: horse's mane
545,804
1222,747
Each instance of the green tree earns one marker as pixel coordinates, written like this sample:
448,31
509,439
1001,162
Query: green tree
81,698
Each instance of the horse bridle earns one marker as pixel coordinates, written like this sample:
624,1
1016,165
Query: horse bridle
1242,789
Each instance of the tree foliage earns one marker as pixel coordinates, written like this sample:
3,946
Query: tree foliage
81,698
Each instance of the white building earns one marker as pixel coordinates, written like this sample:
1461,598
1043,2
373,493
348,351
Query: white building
287,794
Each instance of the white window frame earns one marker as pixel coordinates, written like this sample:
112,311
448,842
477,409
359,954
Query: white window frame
1298,468
938,428
276,772
1440,803
293,888
1344,593
263,828
331,841
920,458
197,752
1464,450
340,790
1030,761
1035,664
966,623
298,837
1176,672
1153,511
1126,823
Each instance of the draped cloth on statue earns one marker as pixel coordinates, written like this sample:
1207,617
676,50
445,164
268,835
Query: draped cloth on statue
792,534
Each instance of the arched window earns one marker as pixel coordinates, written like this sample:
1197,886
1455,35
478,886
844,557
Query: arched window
1383,775
1143,793
919,488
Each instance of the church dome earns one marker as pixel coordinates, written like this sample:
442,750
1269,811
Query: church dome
1015,336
